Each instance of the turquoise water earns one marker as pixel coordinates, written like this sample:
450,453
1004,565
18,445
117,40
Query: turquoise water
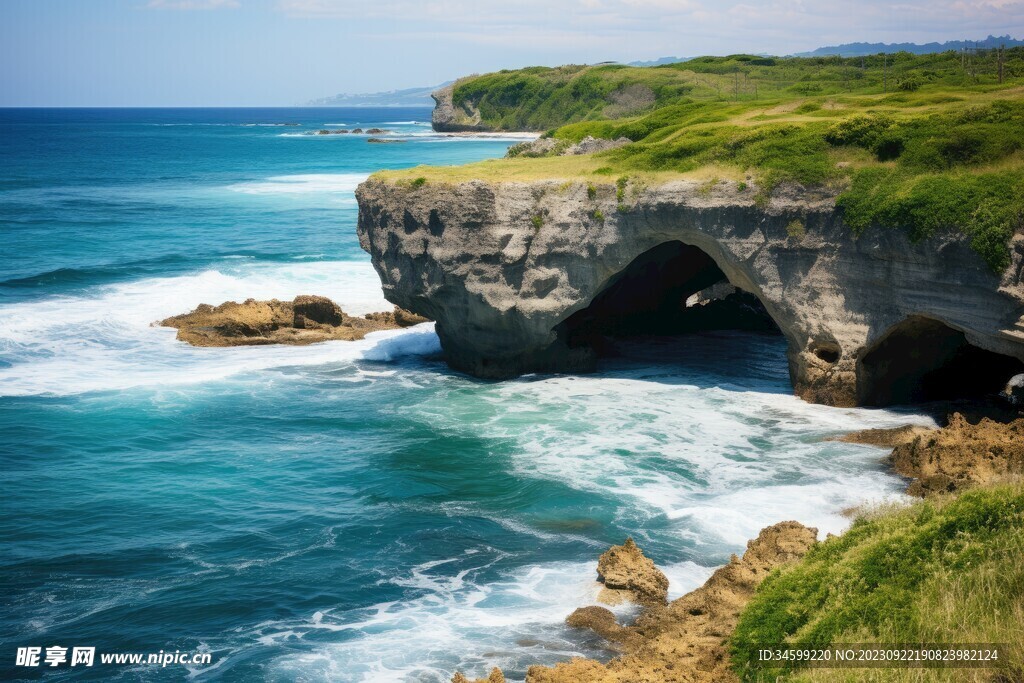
350,511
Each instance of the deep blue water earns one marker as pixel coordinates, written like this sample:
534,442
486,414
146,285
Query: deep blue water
350,511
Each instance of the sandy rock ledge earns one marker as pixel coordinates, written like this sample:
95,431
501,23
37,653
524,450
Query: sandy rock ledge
304,320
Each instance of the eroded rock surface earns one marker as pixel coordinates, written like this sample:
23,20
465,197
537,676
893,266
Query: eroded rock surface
503,266
448,117
687,640
627,573
962,455
304,320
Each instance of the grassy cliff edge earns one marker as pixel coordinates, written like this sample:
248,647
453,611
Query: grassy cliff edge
922,143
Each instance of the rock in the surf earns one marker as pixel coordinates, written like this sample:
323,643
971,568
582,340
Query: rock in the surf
304,320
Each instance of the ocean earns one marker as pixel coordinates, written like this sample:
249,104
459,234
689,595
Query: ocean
348,511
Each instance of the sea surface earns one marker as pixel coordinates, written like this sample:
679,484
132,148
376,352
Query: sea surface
349,511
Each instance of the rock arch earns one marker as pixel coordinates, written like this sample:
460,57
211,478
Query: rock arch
671,288
924,359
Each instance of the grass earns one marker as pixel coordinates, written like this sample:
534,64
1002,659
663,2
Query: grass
940,571
921,143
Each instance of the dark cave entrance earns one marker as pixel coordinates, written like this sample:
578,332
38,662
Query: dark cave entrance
922,359
671,289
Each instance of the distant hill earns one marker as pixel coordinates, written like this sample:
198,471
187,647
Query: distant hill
410,97
660,61
858,49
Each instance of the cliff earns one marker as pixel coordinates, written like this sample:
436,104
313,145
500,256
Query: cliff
528,276
449,118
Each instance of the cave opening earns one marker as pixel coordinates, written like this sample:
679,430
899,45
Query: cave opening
671,289
922,359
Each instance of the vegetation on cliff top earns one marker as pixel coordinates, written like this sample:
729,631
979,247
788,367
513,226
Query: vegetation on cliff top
923,143
941,571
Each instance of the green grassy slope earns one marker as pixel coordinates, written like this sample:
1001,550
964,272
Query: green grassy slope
945,571
923,143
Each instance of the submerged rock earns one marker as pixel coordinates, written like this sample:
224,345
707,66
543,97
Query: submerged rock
601,621
304,320
886,438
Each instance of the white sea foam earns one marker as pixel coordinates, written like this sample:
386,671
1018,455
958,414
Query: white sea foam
104,340
716,462
456,622
686,458
305,183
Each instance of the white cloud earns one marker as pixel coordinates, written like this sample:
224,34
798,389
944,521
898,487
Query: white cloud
193,4
631,29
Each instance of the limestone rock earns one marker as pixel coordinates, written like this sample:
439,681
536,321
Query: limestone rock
601,621
448,117
305,320
688,640
886,438
625,568
590,145
504,266
318,309
961,455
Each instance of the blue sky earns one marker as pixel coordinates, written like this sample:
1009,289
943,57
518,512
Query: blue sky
283,52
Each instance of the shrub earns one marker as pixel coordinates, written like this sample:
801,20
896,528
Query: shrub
908,83
419,182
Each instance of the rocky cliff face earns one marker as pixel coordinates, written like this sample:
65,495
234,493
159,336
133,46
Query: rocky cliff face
449,118
525,277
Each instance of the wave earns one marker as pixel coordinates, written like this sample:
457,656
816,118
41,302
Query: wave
103,339
454,616
303,183
709,442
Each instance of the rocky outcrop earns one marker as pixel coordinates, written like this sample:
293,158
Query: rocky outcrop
304,320
552,147
688,639
962,455
592,145
448,117
522,277
626,574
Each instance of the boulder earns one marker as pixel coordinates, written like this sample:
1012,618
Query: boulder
318,309
601,621
627,573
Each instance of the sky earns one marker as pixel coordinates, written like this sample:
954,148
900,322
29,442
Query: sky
286,52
